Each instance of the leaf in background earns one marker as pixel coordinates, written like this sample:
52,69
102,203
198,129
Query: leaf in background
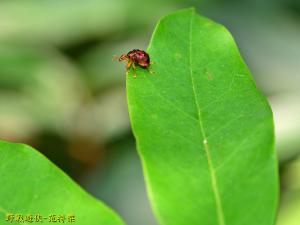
289,212
290,196
59,21
41,90
30,184
203,130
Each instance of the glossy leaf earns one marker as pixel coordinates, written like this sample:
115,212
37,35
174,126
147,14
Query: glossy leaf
203,130
32,185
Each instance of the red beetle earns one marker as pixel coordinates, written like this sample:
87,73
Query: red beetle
134,58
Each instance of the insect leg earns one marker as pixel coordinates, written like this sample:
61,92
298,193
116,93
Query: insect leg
149,70
128,65
134,70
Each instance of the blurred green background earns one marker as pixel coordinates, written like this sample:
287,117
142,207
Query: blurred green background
61,92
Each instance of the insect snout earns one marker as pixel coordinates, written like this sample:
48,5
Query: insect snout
123,57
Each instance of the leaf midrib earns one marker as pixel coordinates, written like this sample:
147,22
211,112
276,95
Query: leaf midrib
214,182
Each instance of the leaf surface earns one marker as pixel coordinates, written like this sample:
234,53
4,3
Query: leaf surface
203,130
31,185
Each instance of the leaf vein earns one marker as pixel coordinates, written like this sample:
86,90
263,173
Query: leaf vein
214,183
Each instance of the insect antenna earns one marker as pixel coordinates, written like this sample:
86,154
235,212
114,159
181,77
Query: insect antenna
115,58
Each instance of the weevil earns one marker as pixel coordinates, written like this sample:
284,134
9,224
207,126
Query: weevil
136,58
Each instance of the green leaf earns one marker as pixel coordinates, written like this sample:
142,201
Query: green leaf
32,185
29,77
204,132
